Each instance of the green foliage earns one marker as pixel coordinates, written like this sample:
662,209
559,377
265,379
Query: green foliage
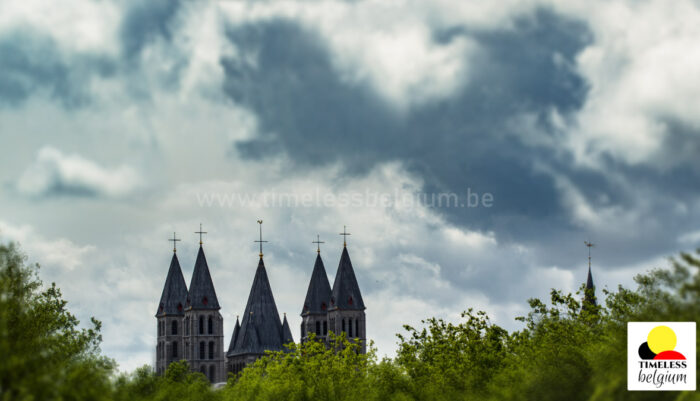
448,361
44,353
309,371
178,383
567,350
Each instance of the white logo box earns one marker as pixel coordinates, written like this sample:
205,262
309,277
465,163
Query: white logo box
662,377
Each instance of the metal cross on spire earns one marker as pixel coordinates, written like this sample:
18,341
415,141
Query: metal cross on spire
200,232
589,245
345,236
261,240
174,240
318,242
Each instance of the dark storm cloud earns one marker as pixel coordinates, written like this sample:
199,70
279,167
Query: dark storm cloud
467,141
31,62
146,21
464,141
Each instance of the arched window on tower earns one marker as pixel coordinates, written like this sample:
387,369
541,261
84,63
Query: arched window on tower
210,326
318,328
343,329
349,328
174,350
303,332
211,349
173,330
201,325
201,350
212,373
325,327
357,328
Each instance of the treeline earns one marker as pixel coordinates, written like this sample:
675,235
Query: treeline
564,352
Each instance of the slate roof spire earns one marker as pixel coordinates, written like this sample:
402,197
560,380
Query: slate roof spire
286,332
318,294
346,292
174,296
261,328
202,294
234,336
589,296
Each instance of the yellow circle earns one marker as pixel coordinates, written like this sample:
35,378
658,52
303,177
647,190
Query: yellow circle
660,339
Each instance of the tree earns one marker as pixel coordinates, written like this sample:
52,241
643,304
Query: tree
308,371
45,355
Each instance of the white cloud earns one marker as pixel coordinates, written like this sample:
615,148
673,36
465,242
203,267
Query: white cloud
642,75
75,25
56,173
390,47
61,252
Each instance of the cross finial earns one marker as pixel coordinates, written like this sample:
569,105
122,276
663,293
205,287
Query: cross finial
318,242
589,245
261,240
174,240
200,232
345,236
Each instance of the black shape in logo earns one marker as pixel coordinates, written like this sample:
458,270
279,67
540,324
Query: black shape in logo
645,352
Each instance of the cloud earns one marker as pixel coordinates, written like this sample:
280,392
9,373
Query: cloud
57,174
62,252
34,63
285,75
639,109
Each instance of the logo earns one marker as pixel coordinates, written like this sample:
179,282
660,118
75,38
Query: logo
661,356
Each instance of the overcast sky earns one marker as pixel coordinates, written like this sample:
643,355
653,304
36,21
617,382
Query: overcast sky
121,122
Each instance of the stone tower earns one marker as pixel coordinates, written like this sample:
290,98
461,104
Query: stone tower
314,314
260,329
170,314
346,313
204,327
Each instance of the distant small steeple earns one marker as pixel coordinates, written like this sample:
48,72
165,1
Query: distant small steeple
589,297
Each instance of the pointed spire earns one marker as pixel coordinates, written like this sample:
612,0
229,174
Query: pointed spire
590,287
174,296
346,292
286,332
261,328
318,294
202,294
234,336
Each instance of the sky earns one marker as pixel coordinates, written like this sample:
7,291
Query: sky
550,122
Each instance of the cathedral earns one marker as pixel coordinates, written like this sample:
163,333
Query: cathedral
191,328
